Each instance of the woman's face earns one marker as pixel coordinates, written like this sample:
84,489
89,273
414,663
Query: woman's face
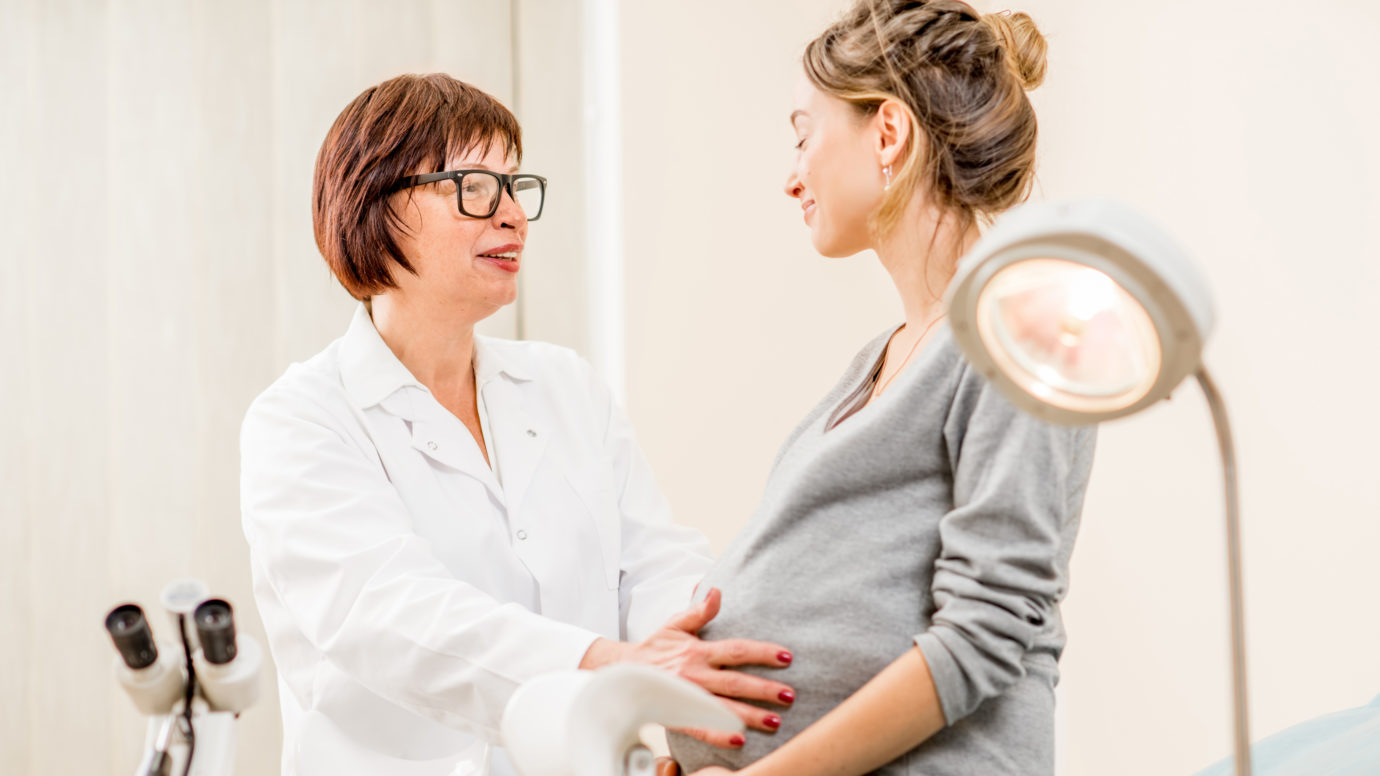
836,175
457,257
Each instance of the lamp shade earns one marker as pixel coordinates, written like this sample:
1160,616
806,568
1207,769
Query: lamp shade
1079,312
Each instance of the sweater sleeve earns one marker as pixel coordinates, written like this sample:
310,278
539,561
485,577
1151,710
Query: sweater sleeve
1018,486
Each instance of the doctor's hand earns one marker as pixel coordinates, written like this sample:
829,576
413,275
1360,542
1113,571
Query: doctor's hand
677,648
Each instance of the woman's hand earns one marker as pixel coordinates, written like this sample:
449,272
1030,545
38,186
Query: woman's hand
712,770
675,647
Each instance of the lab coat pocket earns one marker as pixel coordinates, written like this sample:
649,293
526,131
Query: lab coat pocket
599,501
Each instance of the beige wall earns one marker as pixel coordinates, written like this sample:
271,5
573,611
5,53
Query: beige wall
1246,132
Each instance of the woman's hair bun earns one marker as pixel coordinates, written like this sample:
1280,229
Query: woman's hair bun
1024,45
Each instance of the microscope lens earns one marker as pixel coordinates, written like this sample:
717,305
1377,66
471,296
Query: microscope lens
215,626
133,639
213,616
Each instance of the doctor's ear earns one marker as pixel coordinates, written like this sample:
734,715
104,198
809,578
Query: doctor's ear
895,126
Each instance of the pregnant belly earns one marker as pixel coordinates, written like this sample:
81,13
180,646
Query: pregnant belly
837,648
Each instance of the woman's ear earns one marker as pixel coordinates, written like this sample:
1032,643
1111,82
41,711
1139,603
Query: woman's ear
894,126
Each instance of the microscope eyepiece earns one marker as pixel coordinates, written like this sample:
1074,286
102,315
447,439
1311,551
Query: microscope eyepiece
133,639
215,627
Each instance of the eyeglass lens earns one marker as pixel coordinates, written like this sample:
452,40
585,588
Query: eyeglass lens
480,192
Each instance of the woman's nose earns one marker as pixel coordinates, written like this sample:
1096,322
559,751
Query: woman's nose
510,213
793,187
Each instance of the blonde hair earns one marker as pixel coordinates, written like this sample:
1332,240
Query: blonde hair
962,78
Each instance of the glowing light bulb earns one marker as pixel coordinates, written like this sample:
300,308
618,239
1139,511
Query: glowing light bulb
1068,334
1090,292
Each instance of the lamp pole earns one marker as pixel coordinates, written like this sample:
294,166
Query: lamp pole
1240,709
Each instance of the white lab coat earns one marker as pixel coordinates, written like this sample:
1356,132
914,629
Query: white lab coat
406,587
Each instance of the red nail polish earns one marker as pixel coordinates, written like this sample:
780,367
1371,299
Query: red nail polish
772,721
737,740
784,657
786,696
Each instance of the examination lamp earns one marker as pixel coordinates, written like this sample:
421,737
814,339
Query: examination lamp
1080,312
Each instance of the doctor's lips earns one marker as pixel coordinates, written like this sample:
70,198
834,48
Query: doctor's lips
505,257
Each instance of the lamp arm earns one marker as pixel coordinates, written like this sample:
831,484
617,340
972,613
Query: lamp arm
1240,707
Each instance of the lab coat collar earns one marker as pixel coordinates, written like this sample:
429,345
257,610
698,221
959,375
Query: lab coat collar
371,372
490,362
368,369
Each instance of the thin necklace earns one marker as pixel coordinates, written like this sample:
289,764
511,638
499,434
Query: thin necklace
882,384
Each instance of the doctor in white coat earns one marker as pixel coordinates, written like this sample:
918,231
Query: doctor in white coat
434,516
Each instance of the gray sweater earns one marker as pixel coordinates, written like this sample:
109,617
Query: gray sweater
938,515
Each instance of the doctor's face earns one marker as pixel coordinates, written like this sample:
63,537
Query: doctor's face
835,176
460,260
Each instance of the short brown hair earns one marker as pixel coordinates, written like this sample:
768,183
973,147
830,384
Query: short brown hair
404,125
962,77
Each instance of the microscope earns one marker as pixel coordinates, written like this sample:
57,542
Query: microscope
193,688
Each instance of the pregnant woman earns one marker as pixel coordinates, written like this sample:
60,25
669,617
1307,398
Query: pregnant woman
913,540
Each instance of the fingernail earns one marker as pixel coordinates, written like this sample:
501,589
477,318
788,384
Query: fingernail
786,696
772,721
737,740
784,657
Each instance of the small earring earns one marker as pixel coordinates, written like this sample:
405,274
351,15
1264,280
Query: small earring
887,172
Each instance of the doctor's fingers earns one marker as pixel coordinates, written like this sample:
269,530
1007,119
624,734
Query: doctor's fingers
746,652
753,716
735,684
698,615
720,738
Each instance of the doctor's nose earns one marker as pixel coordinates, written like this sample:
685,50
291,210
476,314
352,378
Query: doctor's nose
510,214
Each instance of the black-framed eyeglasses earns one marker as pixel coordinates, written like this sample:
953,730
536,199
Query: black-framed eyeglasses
478,192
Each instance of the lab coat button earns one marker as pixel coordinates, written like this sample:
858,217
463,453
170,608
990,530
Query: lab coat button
432,445
521,535
531,433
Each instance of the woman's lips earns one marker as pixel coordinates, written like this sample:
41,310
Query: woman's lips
505,257
809,207
507,265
